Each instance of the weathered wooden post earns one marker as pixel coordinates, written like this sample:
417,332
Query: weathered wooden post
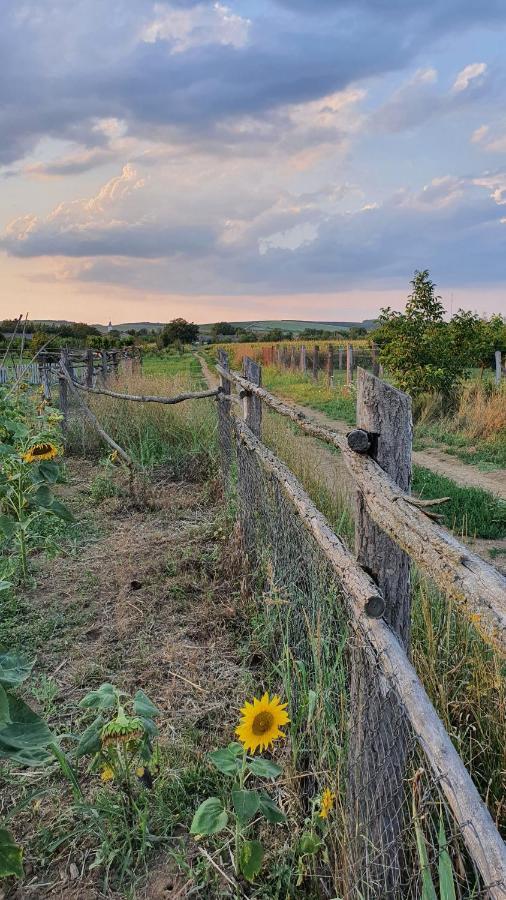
104,366
225,420
378,734
252,405
340,354
63,399
89,368
45,375
303,360
374,359
315,362
330,365
349,364
115,362
498,366
292,358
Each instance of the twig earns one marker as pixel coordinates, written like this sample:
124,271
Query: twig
94,421
178,398
218,868
13,335
23,339
191,683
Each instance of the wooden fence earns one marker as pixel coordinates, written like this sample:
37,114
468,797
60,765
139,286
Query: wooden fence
87,366
329,359
403,782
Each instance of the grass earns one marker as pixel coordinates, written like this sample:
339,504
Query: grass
338,402
470,512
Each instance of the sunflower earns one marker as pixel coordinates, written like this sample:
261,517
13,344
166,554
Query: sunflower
326,803
122,730
107,774
38,452
259,726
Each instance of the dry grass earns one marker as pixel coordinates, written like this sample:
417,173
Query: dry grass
481,411
254,350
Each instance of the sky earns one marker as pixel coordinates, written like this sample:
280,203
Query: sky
250,159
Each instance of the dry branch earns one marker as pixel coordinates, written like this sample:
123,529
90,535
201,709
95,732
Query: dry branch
178,398
477,587
475,822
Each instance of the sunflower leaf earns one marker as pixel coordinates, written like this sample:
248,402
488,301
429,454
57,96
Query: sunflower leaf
264,768
144,707
58,509
49,471
90,739
7,526
13,669
246,804
5,718
235,748
250,859
225,761
210,817
103,698
271,812
10,855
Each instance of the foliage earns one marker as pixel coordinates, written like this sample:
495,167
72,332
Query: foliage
422,352
29,443
179,330
470,512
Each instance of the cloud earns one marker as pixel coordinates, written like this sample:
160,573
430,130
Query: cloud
197,26
479,134
468,74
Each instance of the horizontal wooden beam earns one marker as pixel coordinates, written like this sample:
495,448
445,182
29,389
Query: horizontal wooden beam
177,398
477,587
479,833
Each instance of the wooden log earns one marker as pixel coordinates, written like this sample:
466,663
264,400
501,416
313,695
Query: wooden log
476,586
470,814
359,440
225,422
252,405
378,736
140,398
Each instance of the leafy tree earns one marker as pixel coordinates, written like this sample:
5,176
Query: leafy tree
179,330
38,340
417,346
221,328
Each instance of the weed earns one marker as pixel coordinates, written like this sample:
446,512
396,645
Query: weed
470,512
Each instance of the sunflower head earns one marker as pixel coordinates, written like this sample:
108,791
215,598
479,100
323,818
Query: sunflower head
38,452
326,803
122,730
259,725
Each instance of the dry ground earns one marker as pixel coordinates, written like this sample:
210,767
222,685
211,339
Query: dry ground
143,602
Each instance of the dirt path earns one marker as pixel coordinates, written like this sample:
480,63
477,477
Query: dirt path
434,459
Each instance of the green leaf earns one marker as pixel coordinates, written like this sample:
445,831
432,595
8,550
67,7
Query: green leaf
251,855
269,809
235,748
90,739
311,702
246,804
210,817
446,882
10,855
144,707
264,768
43,496
149,726
5,585
49,471
309,844
103,698
225,761
7,526
5,718
13,669
61,511
27,731
428,889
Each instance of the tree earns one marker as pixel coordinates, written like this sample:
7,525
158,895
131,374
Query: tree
179,330
221,328
38,340
417,346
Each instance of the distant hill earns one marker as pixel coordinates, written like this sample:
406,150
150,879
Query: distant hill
294,325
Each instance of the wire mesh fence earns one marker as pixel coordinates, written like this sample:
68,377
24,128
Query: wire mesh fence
394,834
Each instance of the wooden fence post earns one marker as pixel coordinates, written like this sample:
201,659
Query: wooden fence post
63,399
303,360
225,420
340,354
378,734
349,364
104,366
315,362
90,363
374,359
330,364
498,362
252,405
115,362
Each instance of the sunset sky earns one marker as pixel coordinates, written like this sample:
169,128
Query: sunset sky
250,158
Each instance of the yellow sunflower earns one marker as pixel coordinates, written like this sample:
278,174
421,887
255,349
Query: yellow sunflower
326,803
38,452
259,725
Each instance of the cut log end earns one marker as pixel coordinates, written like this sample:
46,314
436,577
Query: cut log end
359,440
375,606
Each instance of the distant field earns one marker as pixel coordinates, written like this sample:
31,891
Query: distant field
294,325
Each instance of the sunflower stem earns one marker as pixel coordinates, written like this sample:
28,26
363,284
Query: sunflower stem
238,829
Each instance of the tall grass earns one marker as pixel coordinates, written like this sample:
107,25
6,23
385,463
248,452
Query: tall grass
254,349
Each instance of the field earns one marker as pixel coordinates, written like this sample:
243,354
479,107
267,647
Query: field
146,589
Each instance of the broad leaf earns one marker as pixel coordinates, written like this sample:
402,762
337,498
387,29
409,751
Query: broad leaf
5,718
251,855
13,669
225,761
49,471
43,496
210,817
246,805
61,511
264,768
5,585
7,526
235,748
144,707
10,855
90,739
103,698
309,844
26,732
149,726
271,812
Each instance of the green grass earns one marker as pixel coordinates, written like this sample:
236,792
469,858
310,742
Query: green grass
470,512
171,363
487,454
337,402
